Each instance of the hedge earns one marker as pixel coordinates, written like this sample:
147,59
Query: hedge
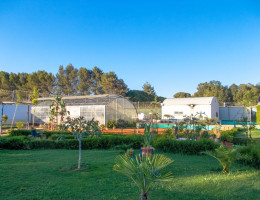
185,147
105,142
45,133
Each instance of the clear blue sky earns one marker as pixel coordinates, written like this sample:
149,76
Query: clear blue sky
174,45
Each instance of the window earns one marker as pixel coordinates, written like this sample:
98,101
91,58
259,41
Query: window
216,114
178,113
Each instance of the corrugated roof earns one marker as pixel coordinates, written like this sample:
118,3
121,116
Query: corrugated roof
82,100
189,101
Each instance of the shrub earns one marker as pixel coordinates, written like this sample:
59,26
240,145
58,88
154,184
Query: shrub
185,147
111,124
19,132
241,141
250,155
19,125
50,133
227,135
15,142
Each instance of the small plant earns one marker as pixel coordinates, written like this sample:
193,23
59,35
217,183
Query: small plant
225,156
19,125
145,172
4,118
129,152
148,136
111,124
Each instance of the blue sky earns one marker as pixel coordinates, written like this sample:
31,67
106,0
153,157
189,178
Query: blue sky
174,45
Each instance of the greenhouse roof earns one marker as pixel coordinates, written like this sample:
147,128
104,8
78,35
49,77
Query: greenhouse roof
82,100
189,101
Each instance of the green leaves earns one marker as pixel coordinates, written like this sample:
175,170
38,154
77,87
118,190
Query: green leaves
225,156
145,172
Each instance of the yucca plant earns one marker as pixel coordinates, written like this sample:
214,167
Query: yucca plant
146,172
225,156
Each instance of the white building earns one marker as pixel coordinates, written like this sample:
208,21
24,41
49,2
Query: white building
179,108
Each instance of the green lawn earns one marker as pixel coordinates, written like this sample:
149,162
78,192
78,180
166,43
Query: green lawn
47,174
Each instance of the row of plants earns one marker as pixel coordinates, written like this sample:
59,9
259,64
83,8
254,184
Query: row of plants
231,136
27,142
120,123
66,141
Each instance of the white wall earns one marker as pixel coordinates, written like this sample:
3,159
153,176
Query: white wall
187,110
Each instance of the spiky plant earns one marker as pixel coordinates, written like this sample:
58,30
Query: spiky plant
146,172
225,156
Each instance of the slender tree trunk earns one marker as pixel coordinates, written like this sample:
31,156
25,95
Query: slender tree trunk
13,117
144,195
225,170
79,161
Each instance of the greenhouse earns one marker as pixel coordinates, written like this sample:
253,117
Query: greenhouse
102,108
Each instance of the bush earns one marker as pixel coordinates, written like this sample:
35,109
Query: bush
19,125
105,142
19,132
185,147
250,155
241,141
111,124
227,135
15,142
50,133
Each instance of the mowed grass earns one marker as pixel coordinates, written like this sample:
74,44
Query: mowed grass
50,174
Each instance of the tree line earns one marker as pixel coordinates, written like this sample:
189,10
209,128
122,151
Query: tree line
68,81
245,94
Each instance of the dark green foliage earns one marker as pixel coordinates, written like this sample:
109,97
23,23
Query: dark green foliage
205,135
138,95
185,147
181,95
241,141
250,155
105,142
227,135
50,133
15,142
19,132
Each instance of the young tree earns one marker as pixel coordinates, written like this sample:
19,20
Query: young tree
58,108
18,101
225,156
147,88
258,114
81,128
146,172
34,98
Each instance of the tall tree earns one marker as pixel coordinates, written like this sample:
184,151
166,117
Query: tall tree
112,85
213,88
96,81
85,82
148,88
66,80
181,95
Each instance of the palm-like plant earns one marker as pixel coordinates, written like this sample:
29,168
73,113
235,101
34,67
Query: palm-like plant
145,172
225,156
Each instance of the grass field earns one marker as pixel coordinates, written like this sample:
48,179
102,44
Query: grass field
49,174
